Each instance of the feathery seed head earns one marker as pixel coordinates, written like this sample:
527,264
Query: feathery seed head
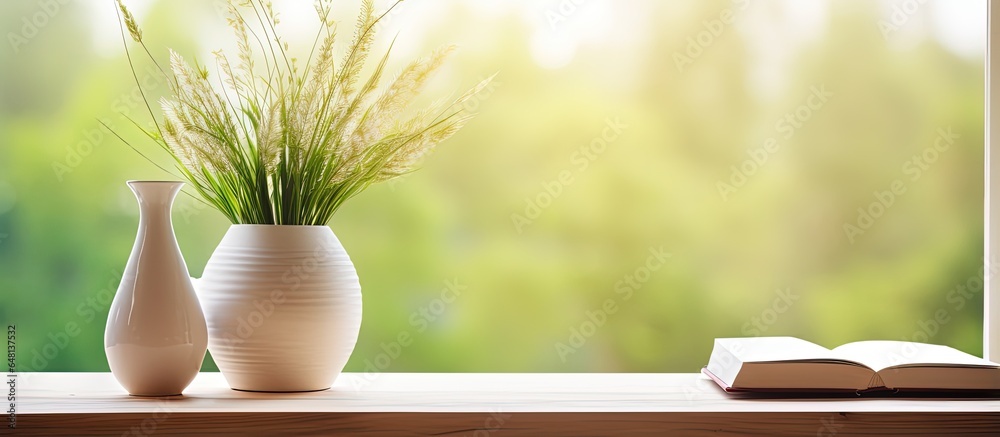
256,141
130,24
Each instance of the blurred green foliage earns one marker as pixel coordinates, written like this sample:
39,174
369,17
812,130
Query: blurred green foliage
67,220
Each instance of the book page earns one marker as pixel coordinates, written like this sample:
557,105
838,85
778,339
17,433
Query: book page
882,354
761,349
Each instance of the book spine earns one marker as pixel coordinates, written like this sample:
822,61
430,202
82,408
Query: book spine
875,382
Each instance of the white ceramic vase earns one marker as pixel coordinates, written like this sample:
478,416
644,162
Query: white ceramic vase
283,305
156,336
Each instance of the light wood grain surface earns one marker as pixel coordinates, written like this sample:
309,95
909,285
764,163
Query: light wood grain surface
478,405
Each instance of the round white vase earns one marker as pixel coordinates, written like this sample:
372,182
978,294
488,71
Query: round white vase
283,305
156,336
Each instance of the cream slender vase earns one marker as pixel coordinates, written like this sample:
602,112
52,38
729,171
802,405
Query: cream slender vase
283,305
156,335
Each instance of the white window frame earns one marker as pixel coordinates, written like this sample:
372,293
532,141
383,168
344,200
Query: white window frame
991,290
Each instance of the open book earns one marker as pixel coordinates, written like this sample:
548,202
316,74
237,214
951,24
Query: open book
789,364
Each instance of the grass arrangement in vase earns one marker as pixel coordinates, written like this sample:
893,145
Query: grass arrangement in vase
278,148
273,143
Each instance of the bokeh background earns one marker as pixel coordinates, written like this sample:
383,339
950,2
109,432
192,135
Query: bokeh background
694,98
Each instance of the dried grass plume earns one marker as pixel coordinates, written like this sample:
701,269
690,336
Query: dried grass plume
275,143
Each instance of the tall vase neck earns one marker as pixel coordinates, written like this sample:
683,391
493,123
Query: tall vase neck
156,199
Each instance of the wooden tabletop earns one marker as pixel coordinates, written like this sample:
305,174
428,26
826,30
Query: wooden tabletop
478,404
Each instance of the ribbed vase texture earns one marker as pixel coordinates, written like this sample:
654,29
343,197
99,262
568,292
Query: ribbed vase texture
283,305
